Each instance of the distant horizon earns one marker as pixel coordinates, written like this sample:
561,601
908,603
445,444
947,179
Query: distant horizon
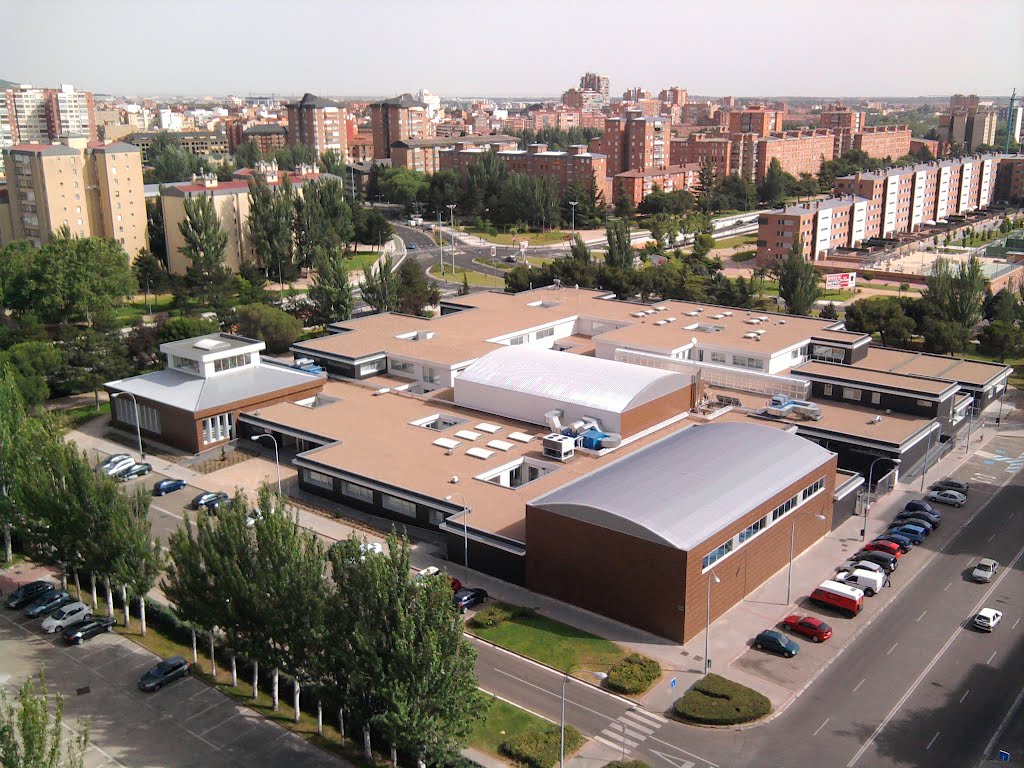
806,49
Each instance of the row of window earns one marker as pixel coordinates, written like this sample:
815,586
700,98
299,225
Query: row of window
227,363
149,417
761,524
185,363
217,428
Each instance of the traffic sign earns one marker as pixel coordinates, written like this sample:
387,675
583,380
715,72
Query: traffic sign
1004,756
494,251
673,683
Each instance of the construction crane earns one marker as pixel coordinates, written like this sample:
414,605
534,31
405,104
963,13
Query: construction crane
1009,120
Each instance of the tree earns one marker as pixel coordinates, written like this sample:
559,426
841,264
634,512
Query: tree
736,193
28,363
579,251
772,188
415,292
270,324
883,315
155,228
323,220
270,223
955,294
943,337
829,312
620,247
664,228
169,161
177,328
150,272
1003,305
380,285
137,557
707,186
373,228
205,243
1002,338
330,291
13,419
404,186
703,244
32,736
799,282
247,154
332,162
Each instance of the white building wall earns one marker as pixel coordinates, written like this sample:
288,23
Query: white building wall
822,233
942,207
987,187
892,190
964,195
917,205
858,223
526,407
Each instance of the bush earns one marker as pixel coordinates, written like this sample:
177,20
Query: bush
713,700
634,674
270,324
166,620
498,613
627,764
539,749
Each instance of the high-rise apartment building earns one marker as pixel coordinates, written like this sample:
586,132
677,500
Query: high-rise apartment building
397,119
674,96
93,189
837,116
319,124
591,81
31,115
758,120
797,152
969,127
635,143
700,148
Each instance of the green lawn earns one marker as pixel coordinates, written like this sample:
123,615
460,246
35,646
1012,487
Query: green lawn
132,312
357,261
537,261
502,721
555,644
533,238
735,242
73,418
495,263
474,278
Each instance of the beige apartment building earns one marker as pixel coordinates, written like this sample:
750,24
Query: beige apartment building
92,188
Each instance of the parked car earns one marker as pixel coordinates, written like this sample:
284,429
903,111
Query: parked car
163,487
915,534
167,671
987,619
410,246
902,542
28,593
840,597
115,465
864,565
48,602
65,616
889,547
869,581
919,505
808,626
932,518
81,631
135,470
776,642
886,560
951,485
920,527
209,500
952,498
985,570
433,570
468,597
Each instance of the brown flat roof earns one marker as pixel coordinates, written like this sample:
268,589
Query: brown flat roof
858,422
902,361
857,375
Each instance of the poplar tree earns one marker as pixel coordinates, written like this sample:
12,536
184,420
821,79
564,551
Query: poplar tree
32,735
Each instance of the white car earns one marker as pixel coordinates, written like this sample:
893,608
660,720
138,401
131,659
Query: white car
987,619
869,581
861,565
985,570
117,465
952,498
66,616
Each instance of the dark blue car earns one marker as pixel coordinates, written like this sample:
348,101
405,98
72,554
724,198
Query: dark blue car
163,487
912,532
776,642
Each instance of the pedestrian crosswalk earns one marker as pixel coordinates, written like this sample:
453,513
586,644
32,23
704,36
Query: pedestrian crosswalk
630,729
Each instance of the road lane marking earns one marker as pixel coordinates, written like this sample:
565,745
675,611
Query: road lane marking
680,749
991,537
509,701
948,586
935,659
965,694
818,730
679,762
636,727
616,747
991,657
860,684
552,693
620,738
921,616
1010,714
893,648
1015,624
932,741
646,717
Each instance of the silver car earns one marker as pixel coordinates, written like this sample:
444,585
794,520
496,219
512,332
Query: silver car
985,570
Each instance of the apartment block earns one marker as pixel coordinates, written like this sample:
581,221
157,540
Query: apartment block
674,96
881,141
636,185
31,115
269,137
839,116
634,143
318,123
562,119
797,151
1010,180
398,119
92,188
584,100
199,143
933,146
699,148
592,81
881,204
427,155
758,120
970,128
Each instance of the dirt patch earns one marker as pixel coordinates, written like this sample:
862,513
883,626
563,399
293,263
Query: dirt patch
226,458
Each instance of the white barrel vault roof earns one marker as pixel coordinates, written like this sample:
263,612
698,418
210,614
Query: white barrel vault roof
585,381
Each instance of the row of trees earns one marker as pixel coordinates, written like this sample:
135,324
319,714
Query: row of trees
353,629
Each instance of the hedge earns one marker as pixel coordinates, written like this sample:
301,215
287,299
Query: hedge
539,748
627,764
498,613
634,674
713,700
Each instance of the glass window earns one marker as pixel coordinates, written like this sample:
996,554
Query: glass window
320,479
395,504
545,333
355,491
876,398
401,366
718,357
717,554
752,530
849,393
828,389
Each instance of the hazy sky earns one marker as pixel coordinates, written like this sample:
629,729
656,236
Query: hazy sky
529,47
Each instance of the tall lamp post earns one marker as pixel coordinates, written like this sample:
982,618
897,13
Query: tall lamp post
573,204
451,213
138,428
707,628
792,544
561,738
277,459
465,530
871,470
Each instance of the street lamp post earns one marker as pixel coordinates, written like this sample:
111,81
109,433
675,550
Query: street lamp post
451,213
561,738
927,455
465,530
277,459
573,204
871,470
138,428
707,628
792,545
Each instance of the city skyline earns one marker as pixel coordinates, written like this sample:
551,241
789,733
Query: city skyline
442,50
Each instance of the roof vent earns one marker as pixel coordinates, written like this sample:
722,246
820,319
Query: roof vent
751,336
661,322
727,314
670,319
876,420
382,391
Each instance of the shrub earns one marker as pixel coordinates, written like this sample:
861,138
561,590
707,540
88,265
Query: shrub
540,748
634,674
498,613
270,324
167,621
713,700
627,764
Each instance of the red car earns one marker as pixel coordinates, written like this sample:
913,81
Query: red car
884,546
808,626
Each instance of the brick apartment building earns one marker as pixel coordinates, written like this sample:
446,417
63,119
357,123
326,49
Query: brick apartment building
675,96
882,204
318,123
425,155
43,115
699,148
94,189
891,141
590,96
636,185
839,116
758,120
398,119
797,151
969,127
1010,180
269,137
634,143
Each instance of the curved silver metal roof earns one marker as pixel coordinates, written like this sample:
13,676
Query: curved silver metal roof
578,379
684,489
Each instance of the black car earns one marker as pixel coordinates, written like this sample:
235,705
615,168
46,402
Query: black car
951,485
48,602
28,593
210,500
80,631
135,470
931,518
163,487
884,559
903,542
920,505
467,598
167,671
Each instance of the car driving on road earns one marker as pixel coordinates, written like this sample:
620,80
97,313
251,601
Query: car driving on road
952,498
167,671
987,619
776,642
985,570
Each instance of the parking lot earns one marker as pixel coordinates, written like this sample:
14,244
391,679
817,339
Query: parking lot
188,723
